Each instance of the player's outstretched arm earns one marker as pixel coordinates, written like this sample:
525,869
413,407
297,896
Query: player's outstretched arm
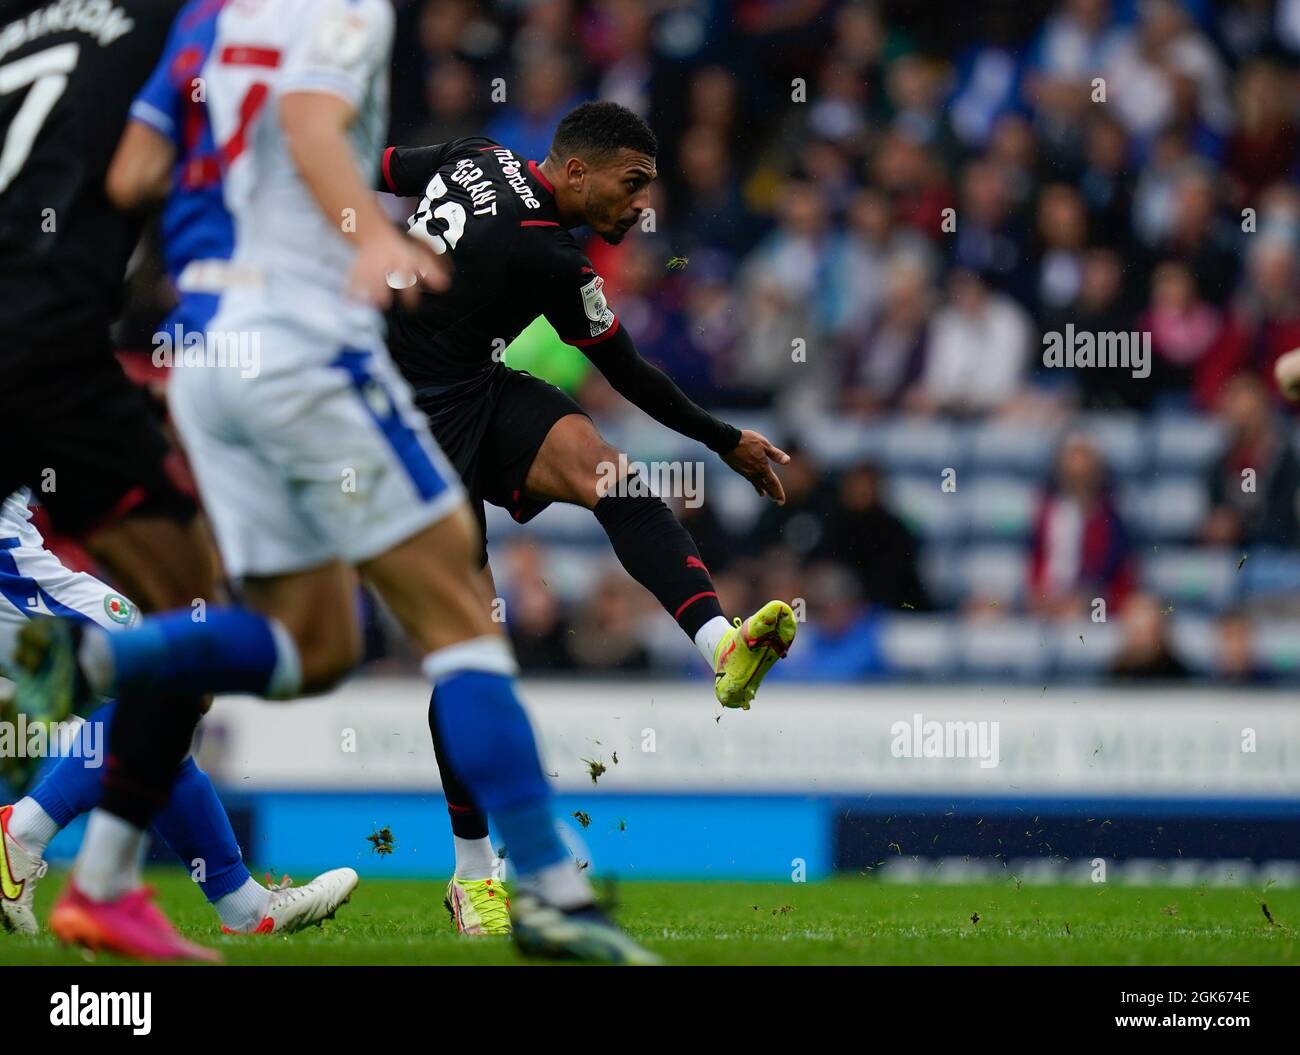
141,171
649,388
315,126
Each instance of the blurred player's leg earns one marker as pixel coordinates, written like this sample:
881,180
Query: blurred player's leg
488,739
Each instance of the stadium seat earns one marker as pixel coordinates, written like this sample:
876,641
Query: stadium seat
940,568
1195,641
995,572
1001,507
1277,646
1197,578
1082,648
1120,438
1270,572
1013,447
918,644
1165,509
1017,648
1185,442
837,443
920,445
933,514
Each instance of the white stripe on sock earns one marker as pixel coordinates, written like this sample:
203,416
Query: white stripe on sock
491,655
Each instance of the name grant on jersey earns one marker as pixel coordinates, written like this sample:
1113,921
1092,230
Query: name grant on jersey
95,18
511,169
481,194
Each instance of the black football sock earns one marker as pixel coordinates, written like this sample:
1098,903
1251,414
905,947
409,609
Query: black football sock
149,740
661,555
467,820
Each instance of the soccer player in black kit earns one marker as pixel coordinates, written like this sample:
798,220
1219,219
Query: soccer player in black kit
521,443
77,431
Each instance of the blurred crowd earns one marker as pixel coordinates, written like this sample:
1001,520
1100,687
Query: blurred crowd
871,212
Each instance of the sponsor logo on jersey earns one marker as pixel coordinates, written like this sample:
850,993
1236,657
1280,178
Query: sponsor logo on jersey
599,313
512,169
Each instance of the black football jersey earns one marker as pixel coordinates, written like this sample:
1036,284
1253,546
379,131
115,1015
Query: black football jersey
494,213
69,70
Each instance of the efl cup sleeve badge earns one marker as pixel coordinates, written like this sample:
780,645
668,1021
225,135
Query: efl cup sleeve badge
119,609
599,313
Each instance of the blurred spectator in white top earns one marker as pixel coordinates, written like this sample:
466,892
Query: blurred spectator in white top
976,352
1143,73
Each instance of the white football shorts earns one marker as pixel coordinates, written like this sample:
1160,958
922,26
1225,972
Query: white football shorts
316,454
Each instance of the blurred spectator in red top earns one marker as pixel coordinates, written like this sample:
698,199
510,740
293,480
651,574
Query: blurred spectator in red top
1080,549
915,181
1264,147
1263,322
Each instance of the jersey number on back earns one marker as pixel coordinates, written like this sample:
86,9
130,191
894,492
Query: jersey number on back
46,75
451,213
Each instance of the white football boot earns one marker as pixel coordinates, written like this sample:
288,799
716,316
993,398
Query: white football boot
295,907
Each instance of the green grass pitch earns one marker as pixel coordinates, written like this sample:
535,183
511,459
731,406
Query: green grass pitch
842,921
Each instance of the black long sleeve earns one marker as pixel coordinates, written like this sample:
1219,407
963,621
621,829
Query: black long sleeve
650,389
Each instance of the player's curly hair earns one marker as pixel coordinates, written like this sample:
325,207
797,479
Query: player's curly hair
595,131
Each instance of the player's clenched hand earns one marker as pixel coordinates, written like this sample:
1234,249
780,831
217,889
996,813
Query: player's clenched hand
753,459
389,263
